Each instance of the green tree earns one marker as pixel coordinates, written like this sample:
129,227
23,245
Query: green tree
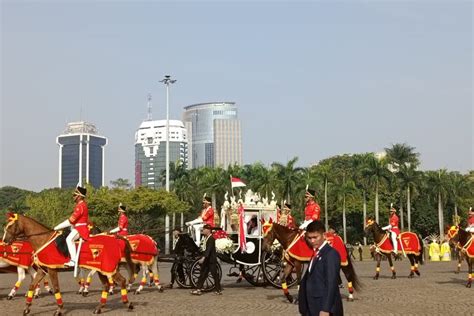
289,175
377,174
408,178
438,185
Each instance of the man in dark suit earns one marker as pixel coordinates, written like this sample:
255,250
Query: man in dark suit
319,290
208,262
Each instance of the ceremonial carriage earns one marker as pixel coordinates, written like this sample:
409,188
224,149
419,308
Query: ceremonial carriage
239,240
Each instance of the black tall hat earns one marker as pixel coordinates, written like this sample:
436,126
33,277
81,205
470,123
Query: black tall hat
80,191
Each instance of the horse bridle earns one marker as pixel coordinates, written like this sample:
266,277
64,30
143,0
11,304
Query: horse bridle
22,237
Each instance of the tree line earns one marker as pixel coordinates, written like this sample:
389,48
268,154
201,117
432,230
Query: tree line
349,188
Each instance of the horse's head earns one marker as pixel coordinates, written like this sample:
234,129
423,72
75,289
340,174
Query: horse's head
370,225
268,234
452,233
13,228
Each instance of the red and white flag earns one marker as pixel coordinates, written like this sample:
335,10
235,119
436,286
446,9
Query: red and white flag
236,183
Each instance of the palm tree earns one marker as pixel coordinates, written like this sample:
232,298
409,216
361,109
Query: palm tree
323,171
401,156
289,175
408,178
459,186
346,188
359,163
438,184
377,174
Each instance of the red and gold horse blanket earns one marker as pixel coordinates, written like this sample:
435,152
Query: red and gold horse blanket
300,250
338,244
18,254
100,252
469,247
408,240
144,248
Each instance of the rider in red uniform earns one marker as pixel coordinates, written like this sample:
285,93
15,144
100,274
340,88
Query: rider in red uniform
470,221
78,220
392,227
312,211
206,217
122,228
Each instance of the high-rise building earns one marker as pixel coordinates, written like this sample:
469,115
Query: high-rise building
150,151
81,155
214,134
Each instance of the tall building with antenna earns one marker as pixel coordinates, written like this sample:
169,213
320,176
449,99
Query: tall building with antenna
81,155
150,149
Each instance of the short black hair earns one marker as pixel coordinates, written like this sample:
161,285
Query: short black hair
315,226
177,229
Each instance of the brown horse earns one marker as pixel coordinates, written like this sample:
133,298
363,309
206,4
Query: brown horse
381,236
451,232
285,236
462,239
19,226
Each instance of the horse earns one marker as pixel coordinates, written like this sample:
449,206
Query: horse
184,248
41,238
286,237
451,232
412,243
464,241
19,257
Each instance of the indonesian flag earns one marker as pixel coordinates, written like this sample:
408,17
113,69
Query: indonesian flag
242,241
236,183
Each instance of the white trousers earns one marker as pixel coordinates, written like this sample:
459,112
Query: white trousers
197,233
70,239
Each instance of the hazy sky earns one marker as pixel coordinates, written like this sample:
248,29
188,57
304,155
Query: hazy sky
311,79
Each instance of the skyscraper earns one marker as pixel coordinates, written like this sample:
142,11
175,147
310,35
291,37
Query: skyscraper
214,134
150,150
81,155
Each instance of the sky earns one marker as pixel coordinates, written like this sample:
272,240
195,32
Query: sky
311,79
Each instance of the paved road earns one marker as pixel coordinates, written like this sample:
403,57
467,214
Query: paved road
438,292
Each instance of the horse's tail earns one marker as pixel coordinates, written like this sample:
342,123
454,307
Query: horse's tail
352,276
128,259
422,246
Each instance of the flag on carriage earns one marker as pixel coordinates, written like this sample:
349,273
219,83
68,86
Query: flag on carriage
237,183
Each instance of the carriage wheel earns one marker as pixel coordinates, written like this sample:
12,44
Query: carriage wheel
209,282
272,265
254,275
184,282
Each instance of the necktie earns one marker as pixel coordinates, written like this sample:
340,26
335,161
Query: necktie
315,254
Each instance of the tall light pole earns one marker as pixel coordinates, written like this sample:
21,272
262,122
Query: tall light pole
167,81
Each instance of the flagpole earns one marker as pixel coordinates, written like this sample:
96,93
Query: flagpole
231,188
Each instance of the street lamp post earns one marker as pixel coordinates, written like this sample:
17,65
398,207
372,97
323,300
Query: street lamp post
167,81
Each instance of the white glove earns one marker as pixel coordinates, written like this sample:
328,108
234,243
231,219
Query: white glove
115,230
387,227
63,225
194,222
305,223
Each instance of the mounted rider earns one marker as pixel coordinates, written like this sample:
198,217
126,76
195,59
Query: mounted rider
122,228
206,217
78,220
284,216
312,211
470,221
392,228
